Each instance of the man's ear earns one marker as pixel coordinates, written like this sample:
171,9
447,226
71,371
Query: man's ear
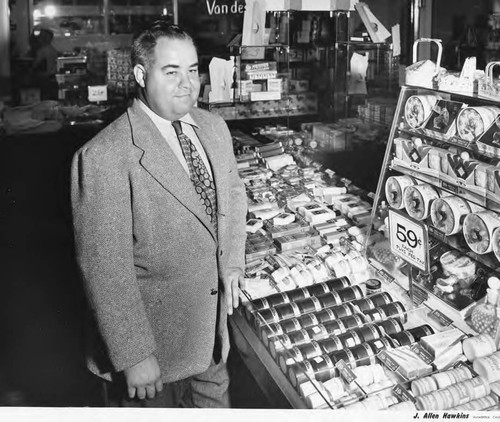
140,75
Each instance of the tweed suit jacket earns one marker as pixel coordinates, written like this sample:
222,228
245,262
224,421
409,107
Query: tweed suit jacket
146,249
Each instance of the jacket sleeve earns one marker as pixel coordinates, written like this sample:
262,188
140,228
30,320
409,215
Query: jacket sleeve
102,219
237,208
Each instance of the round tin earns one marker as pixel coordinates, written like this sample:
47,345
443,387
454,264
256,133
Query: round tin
266,316
298,294
350,339
335,328
345,355
261,303
445,398
317,289
310,350
325,315
374,315
289,357
444,379
270,331
460,394
318,332
404,338
461,373
383,343
373,286
478,229
448,213
488,367
418,199
363,354
394,188
380,299
331,345
308,320
329,300
478,346
297,338
477,387
353,321
391,326
341,311
286,311
422,386
421,331
350,293
290,325
362,305
369,332
306,306
395,310
300,373
337,283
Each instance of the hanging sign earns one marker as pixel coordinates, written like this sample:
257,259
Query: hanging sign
409,239
223,7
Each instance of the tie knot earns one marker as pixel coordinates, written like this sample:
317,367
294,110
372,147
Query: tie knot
177,127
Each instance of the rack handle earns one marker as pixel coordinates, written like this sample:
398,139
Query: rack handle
439,44
489,71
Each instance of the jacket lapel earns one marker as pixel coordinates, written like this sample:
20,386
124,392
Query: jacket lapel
161,163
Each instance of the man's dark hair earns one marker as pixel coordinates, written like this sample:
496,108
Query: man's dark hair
144,44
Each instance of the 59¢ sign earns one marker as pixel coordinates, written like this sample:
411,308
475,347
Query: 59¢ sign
409,239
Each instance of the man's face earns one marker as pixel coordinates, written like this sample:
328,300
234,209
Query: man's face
171,81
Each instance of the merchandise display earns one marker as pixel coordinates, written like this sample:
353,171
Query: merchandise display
345,328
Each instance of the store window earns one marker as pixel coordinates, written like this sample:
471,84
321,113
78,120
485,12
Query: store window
69,18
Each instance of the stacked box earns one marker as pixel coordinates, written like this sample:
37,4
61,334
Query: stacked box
120,75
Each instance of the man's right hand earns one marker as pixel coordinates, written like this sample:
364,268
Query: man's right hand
144,378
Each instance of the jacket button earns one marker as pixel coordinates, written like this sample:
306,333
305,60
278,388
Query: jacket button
220,253
213,292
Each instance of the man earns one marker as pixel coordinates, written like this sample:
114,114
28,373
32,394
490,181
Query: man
161,253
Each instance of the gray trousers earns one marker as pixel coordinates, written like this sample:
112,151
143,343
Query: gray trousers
206,390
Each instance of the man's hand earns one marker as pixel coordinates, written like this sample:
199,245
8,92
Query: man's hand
234,278
144,379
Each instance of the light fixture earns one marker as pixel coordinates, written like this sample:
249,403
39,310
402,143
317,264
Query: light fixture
50,11
164,13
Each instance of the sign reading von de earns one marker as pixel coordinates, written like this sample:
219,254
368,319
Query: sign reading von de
223,7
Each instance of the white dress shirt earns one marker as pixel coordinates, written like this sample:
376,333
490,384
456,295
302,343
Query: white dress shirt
167,130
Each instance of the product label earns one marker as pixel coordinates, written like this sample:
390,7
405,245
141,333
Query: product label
419,295
345,372
436,233
422,353
385,275
402,393
441,318
388,361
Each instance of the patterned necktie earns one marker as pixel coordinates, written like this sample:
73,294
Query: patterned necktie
200,177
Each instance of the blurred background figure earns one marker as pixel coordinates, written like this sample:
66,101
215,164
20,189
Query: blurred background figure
44,62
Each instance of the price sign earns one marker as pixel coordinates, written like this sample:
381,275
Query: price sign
98,93
409,239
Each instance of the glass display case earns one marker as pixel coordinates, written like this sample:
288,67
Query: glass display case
441,172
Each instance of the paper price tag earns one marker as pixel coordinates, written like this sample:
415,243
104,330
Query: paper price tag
385,275
422,353
441,318
389,362
409,239
98,93
345,371
402,393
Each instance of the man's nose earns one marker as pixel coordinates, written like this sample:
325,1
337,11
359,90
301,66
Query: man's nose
184,80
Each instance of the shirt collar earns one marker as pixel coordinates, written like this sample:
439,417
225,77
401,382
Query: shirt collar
158,120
